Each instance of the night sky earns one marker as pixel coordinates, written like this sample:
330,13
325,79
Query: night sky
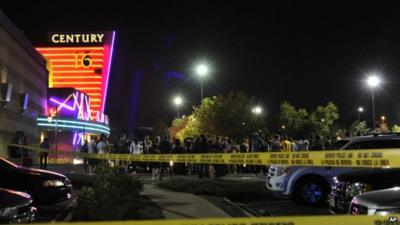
306,53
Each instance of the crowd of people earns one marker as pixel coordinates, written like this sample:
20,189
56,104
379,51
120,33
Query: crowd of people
200,144
167,145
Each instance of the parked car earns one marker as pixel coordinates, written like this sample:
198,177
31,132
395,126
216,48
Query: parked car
382,202
311,185
44,186
16,207
348,185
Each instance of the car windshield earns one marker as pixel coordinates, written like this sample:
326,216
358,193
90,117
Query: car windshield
338,145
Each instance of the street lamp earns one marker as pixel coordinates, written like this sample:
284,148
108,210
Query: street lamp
373,82
359,110
201,71
178,102
383,118
257,110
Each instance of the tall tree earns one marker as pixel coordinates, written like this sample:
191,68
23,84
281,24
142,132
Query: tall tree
299,122
294,121
323,118
228,115
358,128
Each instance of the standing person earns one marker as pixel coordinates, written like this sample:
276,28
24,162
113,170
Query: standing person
177,168
243,148
147,144
134,149
303,144
317,144
257,143
85,150
286,144
187,145
220,169
26,154
328,142
203,147
165,148
294,146
276,144
91,150
15,153
44,154
102,146
155,166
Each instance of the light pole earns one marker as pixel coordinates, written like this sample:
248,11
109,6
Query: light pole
50,119
359,110
373,82
178,102
201,71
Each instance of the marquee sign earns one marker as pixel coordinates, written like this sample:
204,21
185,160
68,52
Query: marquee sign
81,61
68,38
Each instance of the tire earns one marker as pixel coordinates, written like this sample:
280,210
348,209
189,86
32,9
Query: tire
310,191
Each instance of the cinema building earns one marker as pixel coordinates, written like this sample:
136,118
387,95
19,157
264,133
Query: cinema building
79,68
57,91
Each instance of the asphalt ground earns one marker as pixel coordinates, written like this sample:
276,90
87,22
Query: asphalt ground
58,212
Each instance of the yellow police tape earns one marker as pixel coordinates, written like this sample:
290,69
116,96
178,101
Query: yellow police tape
298,220
377,158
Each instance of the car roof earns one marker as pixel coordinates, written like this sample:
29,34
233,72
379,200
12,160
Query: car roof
374,137
381,199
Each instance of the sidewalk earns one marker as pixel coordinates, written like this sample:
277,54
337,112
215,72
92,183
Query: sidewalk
179,205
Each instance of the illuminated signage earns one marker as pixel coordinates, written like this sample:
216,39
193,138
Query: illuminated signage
68,103
73,125
81,61
76,38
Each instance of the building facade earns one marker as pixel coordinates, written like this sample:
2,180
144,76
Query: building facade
23,88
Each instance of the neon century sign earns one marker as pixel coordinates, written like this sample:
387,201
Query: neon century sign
77,38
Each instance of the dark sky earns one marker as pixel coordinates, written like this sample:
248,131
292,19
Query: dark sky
306,53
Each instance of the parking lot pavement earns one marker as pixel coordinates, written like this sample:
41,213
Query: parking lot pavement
281,208
270,205
58,212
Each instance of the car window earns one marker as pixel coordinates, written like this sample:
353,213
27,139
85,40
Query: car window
338,144
375,144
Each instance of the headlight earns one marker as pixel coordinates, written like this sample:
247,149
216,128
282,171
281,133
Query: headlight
53,183
385,212
334,183
371,212
355,189
8,212
281,171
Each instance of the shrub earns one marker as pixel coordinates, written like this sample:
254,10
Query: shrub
220,188
113,196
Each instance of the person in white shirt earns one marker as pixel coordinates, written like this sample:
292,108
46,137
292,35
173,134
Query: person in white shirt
102,146
135,148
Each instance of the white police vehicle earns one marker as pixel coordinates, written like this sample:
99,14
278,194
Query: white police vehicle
311,185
